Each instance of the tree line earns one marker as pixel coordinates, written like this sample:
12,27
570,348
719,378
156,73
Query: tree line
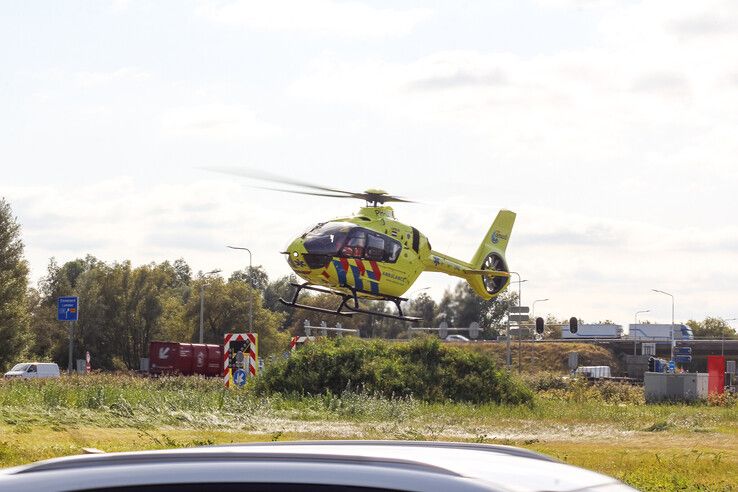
123,307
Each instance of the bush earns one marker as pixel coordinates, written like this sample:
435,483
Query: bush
579,389
424,369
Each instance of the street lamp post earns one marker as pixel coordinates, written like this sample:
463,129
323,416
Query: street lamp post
635,345
520,296
532,337
533,307
722,343
672,319
202,301
251,283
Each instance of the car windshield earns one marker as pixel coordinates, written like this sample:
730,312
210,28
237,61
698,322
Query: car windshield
20,367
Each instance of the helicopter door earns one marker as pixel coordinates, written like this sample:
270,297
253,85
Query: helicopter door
375,247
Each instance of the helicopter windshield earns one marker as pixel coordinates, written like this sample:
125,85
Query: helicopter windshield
348,240
328,238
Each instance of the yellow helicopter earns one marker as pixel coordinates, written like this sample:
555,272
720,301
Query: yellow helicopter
372,256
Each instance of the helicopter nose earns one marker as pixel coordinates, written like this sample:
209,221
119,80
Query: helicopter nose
294,253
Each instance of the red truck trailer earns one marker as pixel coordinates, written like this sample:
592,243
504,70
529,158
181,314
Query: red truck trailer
185,358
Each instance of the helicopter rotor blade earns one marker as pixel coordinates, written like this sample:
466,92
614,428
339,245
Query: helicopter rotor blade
274,178
300,192
327,192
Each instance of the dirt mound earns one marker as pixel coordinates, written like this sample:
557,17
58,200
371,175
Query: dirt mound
538,356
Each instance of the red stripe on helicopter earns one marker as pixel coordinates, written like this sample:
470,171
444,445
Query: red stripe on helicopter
362,269
345,264
326,275
375,270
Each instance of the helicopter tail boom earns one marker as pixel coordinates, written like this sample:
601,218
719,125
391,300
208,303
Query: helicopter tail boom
487,273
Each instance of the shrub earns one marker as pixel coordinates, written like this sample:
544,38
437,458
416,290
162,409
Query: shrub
424,369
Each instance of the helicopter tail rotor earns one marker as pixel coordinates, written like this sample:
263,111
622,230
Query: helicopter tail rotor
491,274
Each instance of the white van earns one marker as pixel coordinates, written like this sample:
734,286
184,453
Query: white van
30,370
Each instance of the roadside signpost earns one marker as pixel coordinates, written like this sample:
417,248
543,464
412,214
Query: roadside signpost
67,309
516,314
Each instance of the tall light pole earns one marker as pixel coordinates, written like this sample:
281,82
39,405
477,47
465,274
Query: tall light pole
533,307
202,300
635,346
672,319
722,343
520,296
251,283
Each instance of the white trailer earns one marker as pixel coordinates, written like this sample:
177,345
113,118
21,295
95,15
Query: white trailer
599,330
645,331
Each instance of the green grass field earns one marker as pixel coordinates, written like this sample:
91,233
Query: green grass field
609,429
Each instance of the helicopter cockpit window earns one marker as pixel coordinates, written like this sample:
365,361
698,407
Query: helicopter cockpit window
393,250
382,248
355,244
328,238
375,248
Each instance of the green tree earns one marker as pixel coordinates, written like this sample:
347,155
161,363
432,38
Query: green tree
553,327
255,276
227,307
423,306
712,328
13,286
462,306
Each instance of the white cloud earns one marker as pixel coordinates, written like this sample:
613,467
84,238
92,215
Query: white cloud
320,17
88,79
217,122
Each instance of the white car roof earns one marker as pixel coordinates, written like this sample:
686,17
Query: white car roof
397,465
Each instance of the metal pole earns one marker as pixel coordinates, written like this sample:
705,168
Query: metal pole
202,308
520,296
672,328
533,307
71,346
532,337
672,319
635,345
722,345
251,284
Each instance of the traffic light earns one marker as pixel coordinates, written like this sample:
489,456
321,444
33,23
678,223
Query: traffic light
573,324
540,325
651,364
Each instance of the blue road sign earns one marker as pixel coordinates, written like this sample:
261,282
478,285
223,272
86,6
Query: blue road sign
683,350
67,308
672,366
683,359
239,377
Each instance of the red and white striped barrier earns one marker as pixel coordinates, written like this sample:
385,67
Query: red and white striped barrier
252,366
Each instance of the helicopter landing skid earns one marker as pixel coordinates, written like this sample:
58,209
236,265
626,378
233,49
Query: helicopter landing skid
350,309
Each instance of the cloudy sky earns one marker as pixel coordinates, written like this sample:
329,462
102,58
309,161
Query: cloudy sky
610,127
